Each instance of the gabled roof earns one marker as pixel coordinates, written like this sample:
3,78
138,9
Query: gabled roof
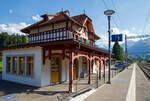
81,18
60,16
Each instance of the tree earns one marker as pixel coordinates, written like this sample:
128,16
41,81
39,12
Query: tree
118,52
7,40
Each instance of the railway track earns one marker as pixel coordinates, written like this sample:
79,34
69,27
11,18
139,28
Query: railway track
145,67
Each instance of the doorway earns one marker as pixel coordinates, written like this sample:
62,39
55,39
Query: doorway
55,69
75,69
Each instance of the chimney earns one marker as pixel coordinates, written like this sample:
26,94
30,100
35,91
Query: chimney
67,12
48,16
45,17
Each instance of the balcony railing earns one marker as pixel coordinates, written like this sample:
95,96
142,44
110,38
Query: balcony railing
55,35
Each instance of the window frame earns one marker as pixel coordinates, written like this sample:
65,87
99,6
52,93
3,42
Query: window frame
18,56
10,64
23,74
27,67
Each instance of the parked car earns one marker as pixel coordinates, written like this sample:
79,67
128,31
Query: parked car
114,68
118,64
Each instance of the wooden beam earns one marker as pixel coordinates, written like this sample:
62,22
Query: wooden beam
50,52
100,68
71,72
89,78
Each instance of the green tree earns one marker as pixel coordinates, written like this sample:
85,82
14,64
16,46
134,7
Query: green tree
118,52
7,40
4,39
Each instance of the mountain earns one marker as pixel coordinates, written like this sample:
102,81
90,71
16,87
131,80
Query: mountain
136,48
130,43
140,48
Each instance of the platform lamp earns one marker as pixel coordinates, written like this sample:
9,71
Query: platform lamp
108,13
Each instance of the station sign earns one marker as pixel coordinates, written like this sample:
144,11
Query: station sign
116,37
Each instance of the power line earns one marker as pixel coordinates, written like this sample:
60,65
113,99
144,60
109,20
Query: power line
105,4
139,36
115,22
116,10
146,21
112,17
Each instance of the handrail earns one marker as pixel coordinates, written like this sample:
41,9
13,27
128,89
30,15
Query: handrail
56,34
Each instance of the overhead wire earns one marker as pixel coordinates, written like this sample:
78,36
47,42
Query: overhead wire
105,4
146,22
116,10
112,16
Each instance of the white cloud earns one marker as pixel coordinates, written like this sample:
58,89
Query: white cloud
13,28
103,42
10,11
125,32
36,17
116,30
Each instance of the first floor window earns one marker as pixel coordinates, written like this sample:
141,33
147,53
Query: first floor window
22,65
30,65
15,59
8,65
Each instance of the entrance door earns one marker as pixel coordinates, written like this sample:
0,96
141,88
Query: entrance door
55,68
75,69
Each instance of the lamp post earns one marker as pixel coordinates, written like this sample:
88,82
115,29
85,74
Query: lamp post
108,13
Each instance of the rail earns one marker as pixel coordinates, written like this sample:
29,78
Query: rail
145,67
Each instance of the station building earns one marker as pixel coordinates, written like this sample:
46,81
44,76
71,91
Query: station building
61,48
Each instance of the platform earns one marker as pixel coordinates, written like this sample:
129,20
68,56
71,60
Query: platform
129,85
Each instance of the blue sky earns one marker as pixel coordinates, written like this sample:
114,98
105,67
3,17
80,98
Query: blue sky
16,14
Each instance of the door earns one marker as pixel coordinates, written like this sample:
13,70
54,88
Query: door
75,69
55,69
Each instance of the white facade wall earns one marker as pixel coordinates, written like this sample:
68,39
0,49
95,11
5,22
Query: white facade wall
46,74
65,70
42,72
48,27
36,79
46,70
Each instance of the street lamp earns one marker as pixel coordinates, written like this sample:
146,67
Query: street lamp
108,13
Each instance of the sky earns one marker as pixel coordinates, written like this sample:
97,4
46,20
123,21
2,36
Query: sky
129,18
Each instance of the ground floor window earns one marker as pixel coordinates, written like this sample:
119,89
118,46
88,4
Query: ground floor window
8,65
29,65
15,63
22,65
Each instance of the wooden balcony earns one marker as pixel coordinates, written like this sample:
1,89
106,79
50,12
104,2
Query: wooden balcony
55,35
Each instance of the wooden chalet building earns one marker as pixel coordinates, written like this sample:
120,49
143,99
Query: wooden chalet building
61,48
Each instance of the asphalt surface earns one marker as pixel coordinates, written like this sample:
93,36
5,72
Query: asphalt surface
116,91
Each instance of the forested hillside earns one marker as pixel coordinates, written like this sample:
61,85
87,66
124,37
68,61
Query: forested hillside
7,40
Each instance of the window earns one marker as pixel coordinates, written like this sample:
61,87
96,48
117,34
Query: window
30,65
8,65
84,64
22,65
15,65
